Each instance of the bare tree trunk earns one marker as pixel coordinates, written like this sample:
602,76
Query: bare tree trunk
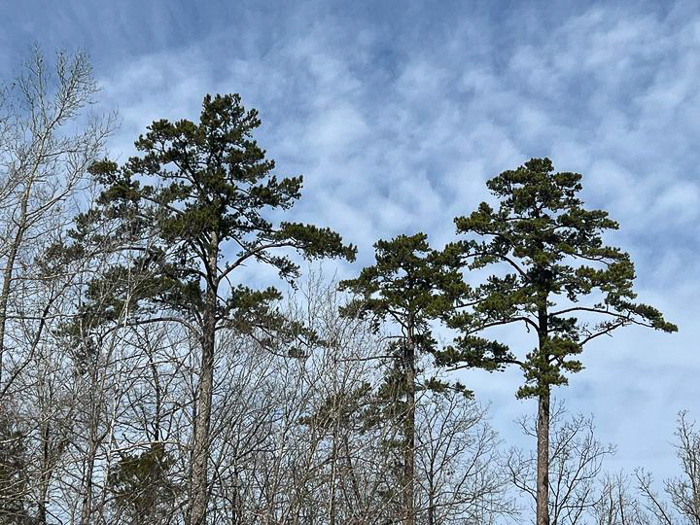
409,432
43,488
543,418
431,500
199,490
543,459
9,270
86,507
200,453
47,463
334,461
96,398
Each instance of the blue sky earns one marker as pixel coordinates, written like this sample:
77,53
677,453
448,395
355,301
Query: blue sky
397,112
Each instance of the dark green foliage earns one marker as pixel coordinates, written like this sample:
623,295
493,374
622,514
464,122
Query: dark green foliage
409,286
187,213
176,224
404,283
553,251
142,486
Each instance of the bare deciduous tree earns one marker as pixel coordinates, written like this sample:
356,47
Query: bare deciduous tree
47,140
618,503
457,455
682,502
576,460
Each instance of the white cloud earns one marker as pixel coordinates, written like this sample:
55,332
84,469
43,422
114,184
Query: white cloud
394,140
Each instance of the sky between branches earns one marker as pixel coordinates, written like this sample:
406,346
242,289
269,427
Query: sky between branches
397,112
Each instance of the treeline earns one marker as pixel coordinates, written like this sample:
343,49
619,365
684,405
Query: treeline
144,378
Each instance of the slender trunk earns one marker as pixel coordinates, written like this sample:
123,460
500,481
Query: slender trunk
409,431
86,511
237,500
431,500
96,396
543,459
334,461
47,460
353,478
9,270
200,452
199,491
543,401
44,476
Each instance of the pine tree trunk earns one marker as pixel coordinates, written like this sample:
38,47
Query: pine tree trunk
200,452
543,459
409,432
543,401
199,491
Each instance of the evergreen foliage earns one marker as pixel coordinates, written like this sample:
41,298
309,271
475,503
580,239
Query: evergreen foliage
181,219
141,485
555,255
196,189
409,286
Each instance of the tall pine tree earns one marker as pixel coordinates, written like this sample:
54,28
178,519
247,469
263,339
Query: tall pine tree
553,257
190,211
409,286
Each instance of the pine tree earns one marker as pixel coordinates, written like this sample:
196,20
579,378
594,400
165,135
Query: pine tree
141,486
553,251
185,216
409,286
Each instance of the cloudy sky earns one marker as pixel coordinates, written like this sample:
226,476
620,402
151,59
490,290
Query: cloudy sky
397,112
